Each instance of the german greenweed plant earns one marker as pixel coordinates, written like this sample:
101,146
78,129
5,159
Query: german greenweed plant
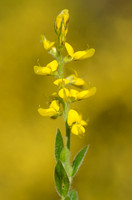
61,103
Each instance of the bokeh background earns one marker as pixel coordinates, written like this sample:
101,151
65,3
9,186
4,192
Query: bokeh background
27,139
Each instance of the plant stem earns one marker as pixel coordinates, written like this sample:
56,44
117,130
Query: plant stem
66,109
66,106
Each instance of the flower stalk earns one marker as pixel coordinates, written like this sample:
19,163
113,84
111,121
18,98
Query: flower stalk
61,104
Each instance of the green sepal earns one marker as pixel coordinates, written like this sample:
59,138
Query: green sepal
67,59
58,145
61,179
79,159
73,195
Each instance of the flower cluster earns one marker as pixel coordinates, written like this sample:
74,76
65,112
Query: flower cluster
65,94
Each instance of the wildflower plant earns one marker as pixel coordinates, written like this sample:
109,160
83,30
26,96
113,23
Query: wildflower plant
61,103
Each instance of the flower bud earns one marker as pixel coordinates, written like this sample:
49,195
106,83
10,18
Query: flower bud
61,25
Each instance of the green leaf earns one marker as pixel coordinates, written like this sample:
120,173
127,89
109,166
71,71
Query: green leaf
58,145
65,159
61,179
73,195
64,155
78,160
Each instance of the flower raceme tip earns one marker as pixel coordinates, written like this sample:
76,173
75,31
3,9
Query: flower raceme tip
61,25
62,18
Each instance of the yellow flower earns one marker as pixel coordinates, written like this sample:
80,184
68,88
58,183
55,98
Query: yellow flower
48,70
54,104
77,129
52,111
63,93
86,93
73,94
75,80
76,123
79,55
61,82
47,44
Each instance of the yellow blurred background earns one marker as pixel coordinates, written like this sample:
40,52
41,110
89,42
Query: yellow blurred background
27,139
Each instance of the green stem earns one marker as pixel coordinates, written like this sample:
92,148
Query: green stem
66,106
66,110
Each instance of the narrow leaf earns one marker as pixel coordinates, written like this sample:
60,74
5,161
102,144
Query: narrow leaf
58,145
61,179
78,160
73,195
64,157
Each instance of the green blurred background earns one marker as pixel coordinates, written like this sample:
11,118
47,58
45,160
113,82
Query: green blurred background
27,139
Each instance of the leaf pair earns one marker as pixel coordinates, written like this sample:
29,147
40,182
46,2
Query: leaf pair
61,177
62,174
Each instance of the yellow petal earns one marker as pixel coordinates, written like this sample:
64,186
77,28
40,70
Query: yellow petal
65,13
53,65
64,31
42,70
63,93
47,44
76,81
83,123
69,49
89,53
61,82
58,22
50,112
79,82
73,94
78,55
74,129
86,93
55,105
62,17
73,116
77,129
